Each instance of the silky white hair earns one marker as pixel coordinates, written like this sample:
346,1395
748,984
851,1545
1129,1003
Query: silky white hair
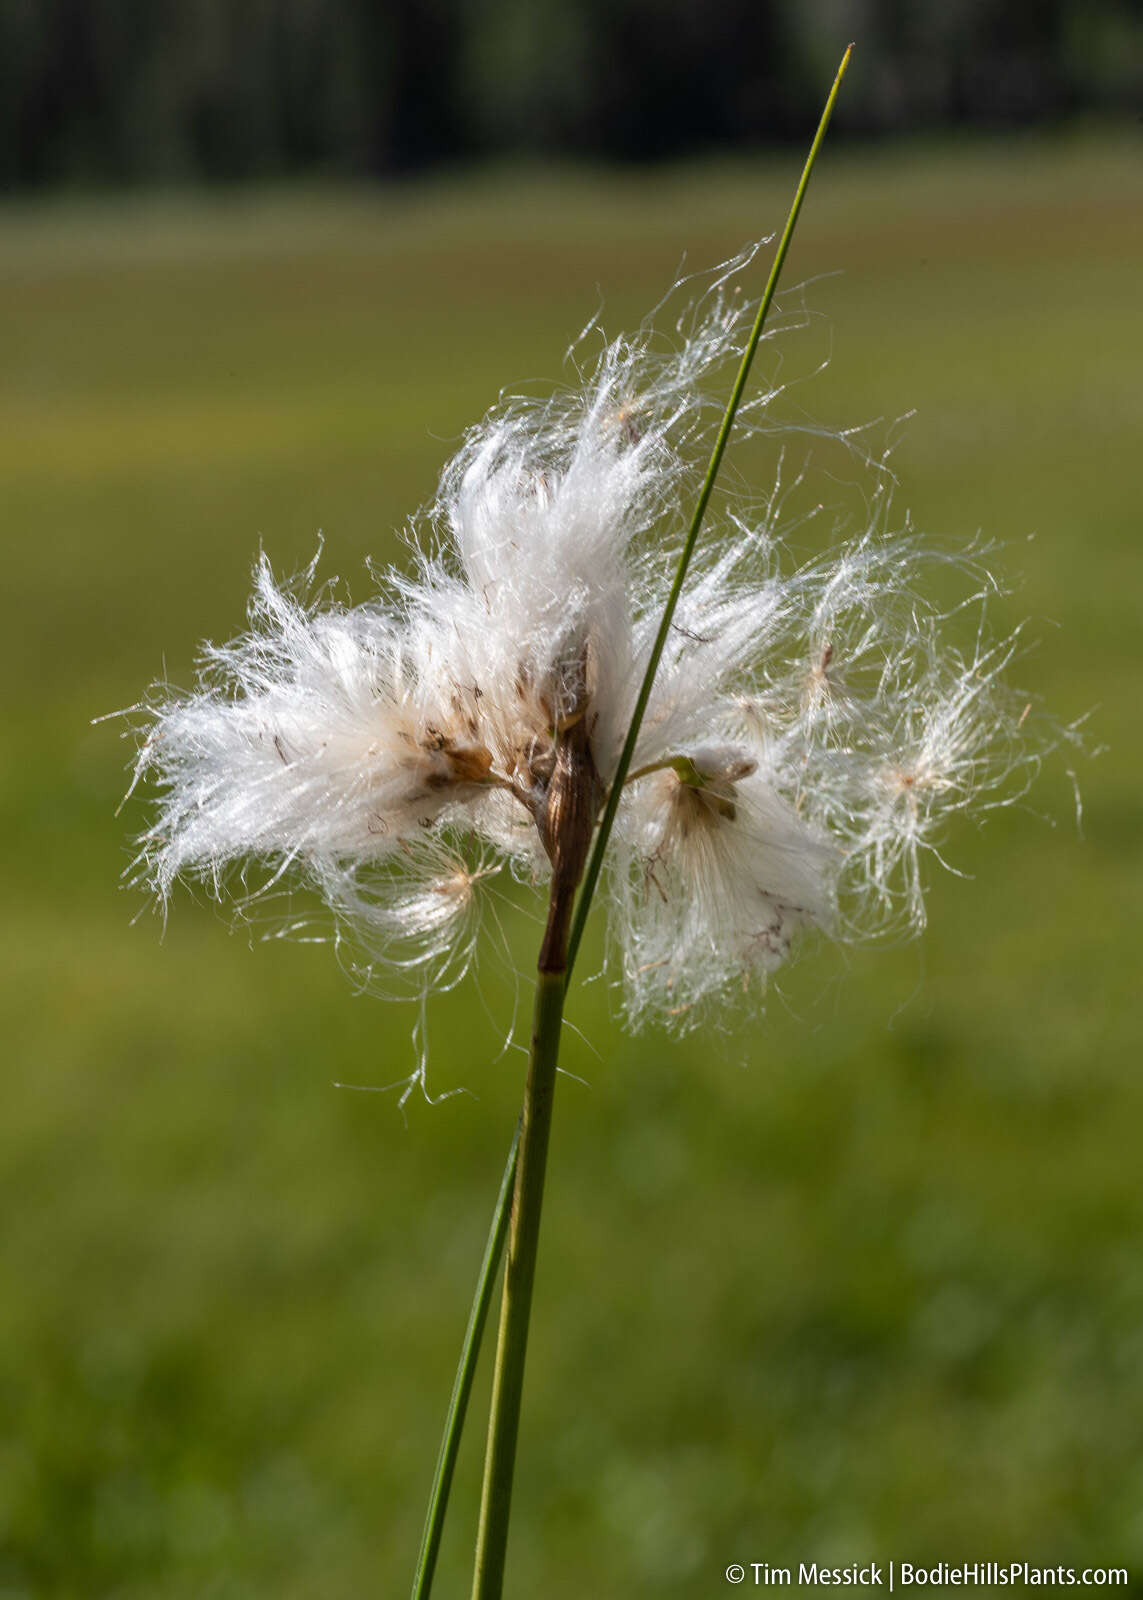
808,735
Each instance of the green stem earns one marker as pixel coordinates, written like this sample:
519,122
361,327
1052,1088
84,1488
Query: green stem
595,864
519,1275
462,1384
524,1172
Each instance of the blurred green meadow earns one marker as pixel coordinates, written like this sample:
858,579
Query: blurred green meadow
861,1279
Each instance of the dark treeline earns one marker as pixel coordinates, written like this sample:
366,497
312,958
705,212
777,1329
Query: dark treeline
108,91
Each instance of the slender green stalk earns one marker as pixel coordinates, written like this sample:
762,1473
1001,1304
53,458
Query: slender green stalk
595,864
519,1275
524,1172
566,826
462,1383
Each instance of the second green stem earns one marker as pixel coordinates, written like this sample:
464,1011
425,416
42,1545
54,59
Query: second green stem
519,1276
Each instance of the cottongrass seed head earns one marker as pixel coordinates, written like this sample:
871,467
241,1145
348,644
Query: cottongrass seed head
808,735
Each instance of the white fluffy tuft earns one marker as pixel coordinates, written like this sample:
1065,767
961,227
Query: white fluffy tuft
807,737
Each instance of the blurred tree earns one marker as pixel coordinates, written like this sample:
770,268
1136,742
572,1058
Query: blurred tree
112,91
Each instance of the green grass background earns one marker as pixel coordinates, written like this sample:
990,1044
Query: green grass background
864,1279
